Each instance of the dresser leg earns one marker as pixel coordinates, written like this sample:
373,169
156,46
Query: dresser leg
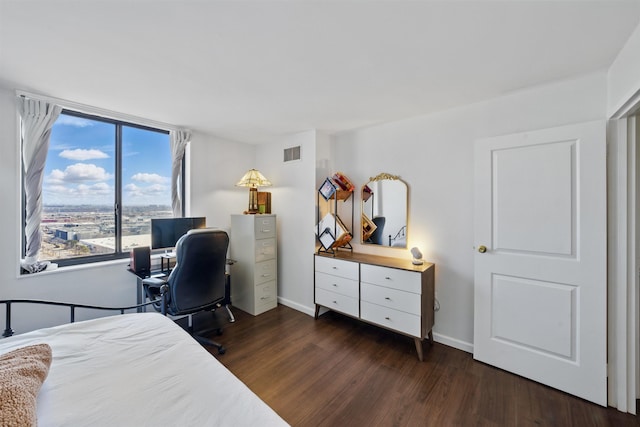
431,337
418,342
317,312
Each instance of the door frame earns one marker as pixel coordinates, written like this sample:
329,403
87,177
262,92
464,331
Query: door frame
623,250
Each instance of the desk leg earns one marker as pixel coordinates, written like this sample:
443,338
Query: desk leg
140,297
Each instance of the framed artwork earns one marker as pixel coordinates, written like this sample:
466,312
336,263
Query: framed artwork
327,189
327,239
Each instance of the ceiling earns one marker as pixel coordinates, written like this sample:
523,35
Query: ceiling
251,71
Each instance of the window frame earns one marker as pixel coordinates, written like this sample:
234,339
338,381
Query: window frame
117,204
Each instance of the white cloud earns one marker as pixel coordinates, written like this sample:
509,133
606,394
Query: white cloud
78,122
150,178
78,172
82,155
133,190
80,191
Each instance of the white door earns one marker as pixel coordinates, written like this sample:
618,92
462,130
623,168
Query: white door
540,286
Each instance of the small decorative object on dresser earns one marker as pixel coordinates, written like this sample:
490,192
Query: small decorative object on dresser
254,275
392,293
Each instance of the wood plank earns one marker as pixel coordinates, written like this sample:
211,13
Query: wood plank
339,371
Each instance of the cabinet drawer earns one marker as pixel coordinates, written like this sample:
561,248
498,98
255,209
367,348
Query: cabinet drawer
390,318
337,302
265,226
337,267
266,292
264,271
337,284
391,298
265,249
391,278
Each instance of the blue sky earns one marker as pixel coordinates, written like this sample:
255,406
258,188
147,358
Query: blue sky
80,166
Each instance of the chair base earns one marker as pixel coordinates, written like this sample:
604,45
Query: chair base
206,341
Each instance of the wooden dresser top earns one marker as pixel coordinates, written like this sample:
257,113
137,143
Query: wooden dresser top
400,263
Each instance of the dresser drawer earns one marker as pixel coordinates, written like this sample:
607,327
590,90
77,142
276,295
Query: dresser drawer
390,318
265,249
340,285
403,280
265,226
337,267
391,298
337,302
264,271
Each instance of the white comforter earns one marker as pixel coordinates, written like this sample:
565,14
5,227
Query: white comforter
138,370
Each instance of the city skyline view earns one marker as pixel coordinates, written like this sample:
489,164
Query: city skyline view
80,166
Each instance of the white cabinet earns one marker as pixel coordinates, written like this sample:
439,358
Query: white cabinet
388,292
253,246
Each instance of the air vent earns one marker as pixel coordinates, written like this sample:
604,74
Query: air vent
291,154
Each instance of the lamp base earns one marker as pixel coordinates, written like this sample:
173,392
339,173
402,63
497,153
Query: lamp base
253,200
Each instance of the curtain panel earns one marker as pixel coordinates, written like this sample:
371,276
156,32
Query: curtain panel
38,117
178,140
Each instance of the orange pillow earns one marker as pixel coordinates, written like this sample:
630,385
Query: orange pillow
22,372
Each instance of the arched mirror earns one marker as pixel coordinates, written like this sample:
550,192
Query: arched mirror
384,211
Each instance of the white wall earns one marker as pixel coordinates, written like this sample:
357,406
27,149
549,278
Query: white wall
624,74
215,166
293,201
434,155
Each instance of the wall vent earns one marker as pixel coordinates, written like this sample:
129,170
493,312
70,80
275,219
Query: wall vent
292,153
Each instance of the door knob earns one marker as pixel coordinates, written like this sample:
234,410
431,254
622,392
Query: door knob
482,249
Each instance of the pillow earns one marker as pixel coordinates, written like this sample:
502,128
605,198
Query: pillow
22,372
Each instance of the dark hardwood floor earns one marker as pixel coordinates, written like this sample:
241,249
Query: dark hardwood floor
336,371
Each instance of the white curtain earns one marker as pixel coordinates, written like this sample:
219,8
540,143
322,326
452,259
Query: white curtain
38,118
179,141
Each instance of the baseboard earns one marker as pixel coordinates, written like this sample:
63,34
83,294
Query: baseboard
439,338
311,311
452,342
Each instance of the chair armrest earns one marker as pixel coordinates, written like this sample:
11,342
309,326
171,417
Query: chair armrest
154,282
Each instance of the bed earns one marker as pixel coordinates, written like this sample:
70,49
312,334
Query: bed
136,370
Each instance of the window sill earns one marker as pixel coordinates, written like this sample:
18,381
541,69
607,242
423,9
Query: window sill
76,267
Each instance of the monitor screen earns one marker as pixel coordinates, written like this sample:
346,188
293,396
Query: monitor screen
165,232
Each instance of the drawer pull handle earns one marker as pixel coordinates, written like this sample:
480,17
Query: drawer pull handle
335,302
387,318
264,297
334,267
266,275
388,278
387,298
266,230
335,285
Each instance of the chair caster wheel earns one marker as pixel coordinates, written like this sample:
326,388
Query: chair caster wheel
222,350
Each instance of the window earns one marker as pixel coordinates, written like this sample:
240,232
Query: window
104,180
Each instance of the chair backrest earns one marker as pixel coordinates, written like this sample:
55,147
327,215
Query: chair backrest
197,282
377,236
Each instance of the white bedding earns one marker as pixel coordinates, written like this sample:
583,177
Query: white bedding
136,370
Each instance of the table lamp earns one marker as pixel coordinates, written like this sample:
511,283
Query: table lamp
253,179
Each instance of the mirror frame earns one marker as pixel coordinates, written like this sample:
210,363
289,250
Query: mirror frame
363,218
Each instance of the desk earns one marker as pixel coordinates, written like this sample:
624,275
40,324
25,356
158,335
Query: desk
142,297
168,257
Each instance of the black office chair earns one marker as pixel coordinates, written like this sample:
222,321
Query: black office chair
377,236
198,281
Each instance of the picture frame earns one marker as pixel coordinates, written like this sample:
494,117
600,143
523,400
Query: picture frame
327,189
326,239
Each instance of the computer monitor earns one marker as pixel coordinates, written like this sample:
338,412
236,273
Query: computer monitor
165,232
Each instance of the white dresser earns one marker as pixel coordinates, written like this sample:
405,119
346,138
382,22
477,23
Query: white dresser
254,276
388,292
